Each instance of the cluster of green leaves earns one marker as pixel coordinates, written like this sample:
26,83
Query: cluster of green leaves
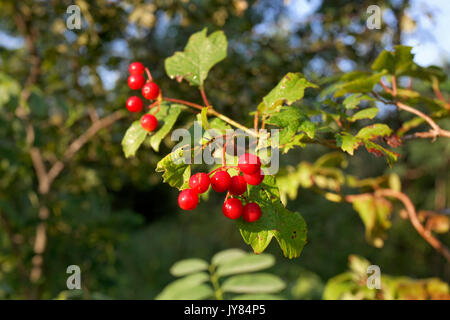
231,274
327,176
353,285
334,116
201,53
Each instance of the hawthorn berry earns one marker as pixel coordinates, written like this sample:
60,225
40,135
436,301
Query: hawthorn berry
136,81
232,208
150,91
149,122
136,68
252,212
254,179
249,163
134,104
220,181
188,199
199,182
238,185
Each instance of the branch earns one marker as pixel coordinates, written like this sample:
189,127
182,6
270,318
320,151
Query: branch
436,131
81,141
213,112
413,218
203,93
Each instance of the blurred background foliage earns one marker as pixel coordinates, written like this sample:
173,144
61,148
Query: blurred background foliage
113,217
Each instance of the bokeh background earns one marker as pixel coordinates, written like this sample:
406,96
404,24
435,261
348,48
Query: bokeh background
113,216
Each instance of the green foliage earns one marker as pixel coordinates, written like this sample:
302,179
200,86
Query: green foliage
230,271
289,90
352,285
175,170
201,53
288,228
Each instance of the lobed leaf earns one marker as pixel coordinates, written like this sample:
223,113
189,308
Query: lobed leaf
201,53
289,90
175,170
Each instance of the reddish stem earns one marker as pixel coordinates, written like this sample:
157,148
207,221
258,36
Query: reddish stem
188,103
223,168
149,75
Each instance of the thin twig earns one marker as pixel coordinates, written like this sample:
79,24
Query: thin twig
203,93
412,215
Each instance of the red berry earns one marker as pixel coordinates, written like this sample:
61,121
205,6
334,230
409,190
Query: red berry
252,212
238,185
136,81
134,104
188,199
232,208
150,90
199,182
255,178
249,163
149,122
220,181
136,68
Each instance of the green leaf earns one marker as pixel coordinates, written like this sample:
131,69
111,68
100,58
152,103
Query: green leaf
397,62
353,100
339,285
368,113
227,256
253,283
167,115
360,85
201,53
289,90
187,266
204,117
375,213
245,264
289,228
347,142
373,131
181,288
175,171
292,121
133,139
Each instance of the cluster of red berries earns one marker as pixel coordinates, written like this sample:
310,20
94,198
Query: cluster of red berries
150,91
250,167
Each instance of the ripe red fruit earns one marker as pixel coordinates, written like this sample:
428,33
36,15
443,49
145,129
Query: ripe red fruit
232,208
254,179
136,81
136,68
249,163
199,182
134,104
238,185
220,181
252,212
150,90
188,199
149,122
